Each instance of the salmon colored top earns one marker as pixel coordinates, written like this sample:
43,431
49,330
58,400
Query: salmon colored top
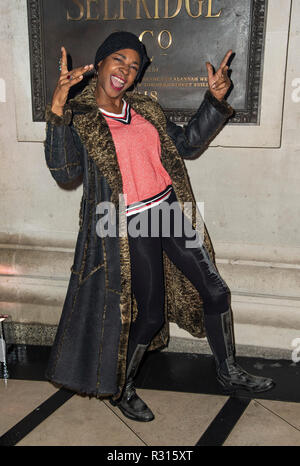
139,156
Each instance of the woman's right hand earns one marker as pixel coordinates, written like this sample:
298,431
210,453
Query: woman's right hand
66,80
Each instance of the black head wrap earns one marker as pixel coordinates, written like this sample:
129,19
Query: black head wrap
122,40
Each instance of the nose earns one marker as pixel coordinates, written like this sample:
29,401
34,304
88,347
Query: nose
125,68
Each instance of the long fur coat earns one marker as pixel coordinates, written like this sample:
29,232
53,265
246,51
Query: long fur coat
90,348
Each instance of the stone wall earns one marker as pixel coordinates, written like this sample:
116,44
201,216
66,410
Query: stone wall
248,180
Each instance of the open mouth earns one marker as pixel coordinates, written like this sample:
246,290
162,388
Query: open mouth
117,83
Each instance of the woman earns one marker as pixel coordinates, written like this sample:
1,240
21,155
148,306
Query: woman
126,288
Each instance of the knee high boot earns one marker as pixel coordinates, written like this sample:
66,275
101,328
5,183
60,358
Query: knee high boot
219,330
130,404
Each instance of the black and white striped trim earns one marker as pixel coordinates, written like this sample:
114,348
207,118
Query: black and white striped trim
124,117
140,206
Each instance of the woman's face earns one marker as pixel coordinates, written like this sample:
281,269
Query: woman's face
117,72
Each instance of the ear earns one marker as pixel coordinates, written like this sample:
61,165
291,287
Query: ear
99,64
97,69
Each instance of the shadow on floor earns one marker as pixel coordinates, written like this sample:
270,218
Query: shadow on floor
183,372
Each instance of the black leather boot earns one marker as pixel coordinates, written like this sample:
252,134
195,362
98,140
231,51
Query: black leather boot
131,405
230,375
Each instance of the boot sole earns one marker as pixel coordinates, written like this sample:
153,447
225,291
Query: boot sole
232,390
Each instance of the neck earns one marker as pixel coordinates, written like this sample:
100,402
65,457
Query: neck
110,104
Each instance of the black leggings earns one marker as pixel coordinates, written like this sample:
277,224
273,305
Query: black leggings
147,277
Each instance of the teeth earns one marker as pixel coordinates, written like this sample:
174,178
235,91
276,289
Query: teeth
117,82
119,79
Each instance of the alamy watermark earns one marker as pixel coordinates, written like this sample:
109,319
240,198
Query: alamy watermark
296,352
161,219
296,91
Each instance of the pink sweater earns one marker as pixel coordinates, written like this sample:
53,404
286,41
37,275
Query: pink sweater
139,156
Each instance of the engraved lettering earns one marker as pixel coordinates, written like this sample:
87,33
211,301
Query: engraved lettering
209,11
154,95
81,12
141,39
143,33
88,9
159,39
188,8
156,10
143,9
122,8
178,8
106,13
138,9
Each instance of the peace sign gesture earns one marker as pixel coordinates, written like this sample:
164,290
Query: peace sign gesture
66,80
219,82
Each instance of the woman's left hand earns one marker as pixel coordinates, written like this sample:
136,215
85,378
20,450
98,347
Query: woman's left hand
219,82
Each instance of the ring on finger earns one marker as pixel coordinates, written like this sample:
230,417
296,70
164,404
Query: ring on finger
70,77
60,64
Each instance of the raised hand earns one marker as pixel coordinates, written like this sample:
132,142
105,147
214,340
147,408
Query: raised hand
219,82
66,80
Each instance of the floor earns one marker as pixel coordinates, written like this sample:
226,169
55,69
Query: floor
190,409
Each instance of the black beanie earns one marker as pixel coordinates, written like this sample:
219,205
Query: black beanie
122,40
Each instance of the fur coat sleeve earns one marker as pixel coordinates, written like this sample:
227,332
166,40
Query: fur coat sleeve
202,128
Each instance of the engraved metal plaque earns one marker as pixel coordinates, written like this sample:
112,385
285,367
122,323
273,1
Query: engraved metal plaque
179,35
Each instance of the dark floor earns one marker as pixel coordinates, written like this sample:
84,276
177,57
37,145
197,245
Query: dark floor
190,408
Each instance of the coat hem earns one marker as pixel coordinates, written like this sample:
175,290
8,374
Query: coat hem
78,391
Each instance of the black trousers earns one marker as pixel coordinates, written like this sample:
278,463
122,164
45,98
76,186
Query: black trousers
173,234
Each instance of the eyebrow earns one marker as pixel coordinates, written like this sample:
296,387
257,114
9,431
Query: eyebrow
123,56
